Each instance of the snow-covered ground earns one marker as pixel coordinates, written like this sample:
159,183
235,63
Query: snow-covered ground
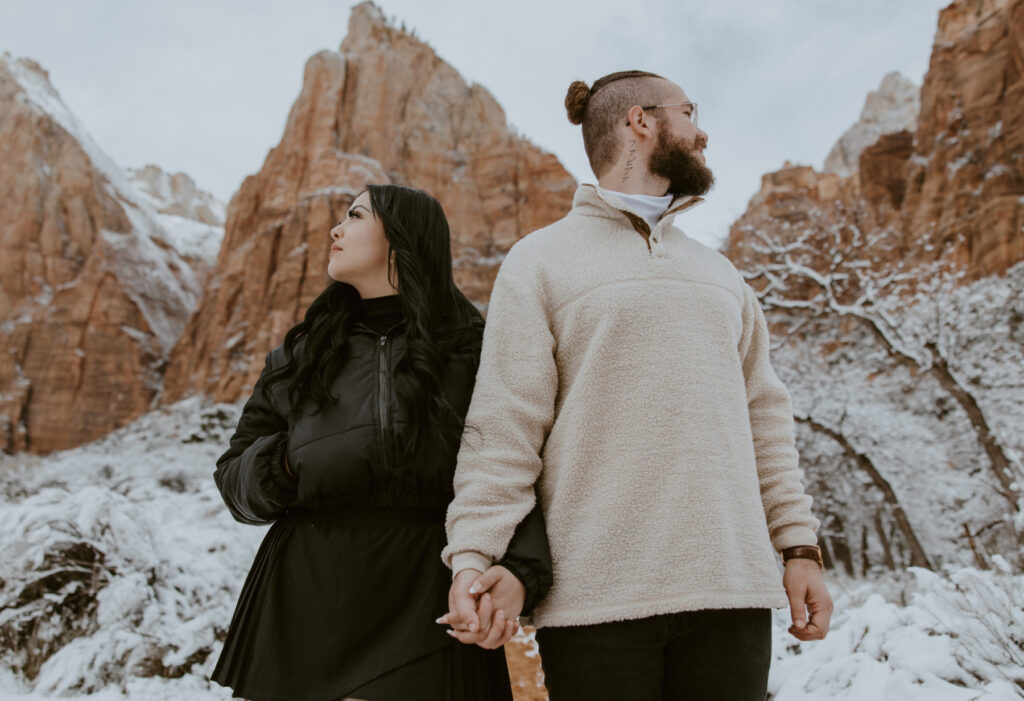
914,636
120,560
120,567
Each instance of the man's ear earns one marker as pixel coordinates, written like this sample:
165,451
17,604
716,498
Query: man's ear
634,116
638,122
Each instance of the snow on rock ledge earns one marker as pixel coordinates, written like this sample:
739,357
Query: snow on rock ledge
177,194
892,108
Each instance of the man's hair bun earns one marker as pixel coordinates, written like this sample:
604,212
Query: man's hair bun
576,101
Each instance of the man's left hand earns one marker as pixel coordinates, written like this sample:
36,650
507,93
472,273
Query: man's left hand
805,587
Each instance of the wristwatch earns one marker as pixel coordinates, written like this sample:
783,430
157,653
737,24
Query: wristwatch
803,552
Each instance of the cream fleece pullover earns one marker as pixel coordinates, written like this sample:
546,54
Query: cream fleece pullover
627,376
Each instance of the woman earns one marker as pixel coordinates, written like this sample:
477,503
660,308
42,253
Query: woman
348,446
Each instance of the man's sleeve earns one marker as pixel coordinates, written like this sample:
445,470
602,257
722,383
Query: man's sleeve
787,507
509,417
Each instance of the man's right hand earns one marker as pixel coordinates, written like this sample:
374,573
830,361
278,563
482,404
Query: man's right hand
462,615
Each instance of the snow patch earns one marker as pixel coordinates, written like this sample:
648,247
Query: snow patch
892,108
190,238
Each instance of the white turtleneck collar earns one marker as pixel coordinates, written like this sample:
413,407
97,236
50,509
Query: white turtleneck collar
650,207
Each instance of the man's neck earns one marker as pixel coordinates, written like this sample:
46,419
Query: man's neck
618,179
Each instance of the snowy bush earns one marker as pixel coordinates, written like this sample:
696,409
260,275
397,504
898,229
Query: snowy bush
119,561
958,638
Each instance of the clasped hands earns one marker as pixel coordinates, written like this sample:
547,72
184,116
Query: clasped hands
484,607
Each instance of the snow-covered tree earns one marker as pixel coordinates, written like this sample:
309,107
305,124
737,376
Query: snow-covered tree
906,384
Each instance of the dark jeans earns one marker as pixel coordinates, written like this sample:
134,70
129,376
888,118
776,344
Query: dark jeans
715,655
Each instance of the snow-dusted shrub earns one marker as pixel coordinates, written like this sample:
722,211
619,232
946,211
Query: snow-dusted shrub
983,613
119,562
959,637
51,604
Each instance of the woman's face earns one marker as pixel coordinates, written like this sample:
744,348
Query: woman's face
359,252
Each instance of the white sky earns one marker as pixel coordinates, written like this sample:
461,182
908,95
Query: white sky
204,86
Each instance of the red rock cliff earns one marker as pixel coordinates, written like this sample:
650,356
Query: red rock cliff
93,293
384,108
954,187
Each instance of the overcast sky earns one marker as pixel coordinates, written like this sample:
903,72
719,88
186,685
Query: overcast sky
204,86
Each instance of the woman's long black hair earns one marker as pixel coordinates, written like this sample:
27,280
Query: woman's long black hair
441,323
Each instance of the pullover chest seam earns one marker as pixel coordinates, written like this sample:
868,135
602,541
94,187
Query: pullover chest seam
590,290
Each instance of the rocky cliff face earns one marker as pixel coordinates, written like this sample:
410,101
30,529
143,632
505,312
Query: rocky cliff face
892,287
190,219
177,194
93,290
965,180
102,268
892,108
384,108
950,186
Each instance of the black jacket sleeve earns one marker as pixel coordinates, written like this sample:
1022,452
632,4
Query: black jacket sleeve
251,475
529,558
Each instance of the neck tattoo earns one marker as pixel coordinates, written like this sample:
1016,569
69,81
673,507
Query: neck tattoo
629,161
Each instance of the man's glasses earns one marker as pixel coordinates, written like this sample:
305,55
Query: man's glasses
691,105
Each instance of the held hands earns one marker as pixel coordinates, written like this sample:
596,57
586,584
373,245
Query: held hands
484,608
805,587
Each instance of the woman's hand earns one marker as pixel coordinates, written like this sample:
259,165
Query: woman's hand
462,616
498,596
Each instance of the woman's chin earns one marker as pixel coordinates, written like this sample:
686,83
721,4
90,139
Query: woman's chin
334,274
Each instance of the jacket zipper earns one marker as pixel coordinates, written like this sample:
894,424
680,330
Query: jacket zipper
640,226
382,375
645,230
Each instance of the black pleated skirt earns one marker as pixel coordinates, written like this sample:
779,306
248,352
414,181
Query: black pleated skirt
342,604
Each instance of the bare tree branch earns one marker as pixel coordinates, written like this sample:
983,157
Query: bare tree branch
832,273
918,557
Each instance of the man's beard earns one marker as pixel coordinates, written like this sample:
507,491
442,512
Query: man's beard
677,160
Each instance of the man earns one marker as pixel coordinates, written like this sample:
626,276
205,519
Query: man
625,372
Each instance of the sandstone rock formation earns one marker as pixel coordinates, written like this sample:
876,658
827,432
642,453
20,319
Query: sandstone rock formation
384,108
951,186
892,108
965,181
177,194
93,292
190,219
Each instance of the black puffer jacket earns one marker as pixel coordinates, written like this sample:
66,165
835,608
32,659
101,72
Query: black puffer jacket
345,589
345,457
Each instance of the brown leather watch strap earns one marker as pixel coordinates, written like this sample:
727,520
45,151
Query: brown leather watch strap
803,552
